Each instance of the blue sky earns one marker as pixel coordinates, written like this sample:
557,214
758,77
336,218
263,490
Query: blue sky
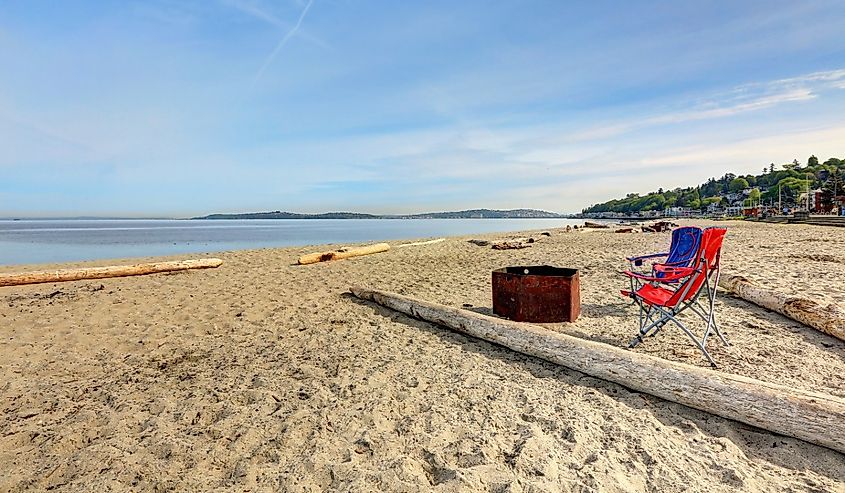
180,108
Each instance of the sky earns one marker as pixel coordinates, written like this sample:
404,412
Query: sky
181,108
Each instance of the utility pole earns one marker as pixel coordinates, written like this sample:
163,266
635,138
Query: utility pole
808,194
780,203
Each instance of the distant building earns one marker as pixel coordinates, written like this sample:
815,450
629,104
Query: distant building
677,212
814,203
715,209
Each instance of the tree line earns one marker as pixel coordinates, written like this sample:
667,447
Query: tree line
786,182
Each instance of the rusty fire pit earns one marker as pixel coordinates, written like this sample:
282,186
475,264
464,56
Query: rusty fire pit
539,293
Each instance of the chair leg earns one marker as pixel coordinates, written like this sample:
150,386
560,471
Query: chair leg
646,327
695,341
712,320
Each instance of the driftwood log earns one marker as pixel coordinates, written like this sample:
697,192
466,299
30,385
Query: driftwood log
810,416
313,258
829,319
515,244
479,242
104,272
418,243
588,224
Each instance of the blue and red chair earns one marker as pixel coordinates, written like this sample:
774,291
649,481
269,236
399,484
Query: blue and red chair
661,298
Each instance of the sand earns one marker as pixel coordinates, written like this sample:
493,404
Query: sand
262,375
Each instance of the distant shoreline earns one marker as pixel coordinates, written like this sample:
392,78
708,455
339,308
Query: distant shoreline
464,214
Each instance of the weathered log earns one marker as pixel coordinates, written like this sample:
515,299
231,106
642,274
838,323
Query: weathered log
479,242
810,416
511,245
588,224
418,243
313,258
104,272
829,319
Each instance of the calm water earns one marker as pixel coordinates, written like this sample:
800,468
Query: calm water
37,242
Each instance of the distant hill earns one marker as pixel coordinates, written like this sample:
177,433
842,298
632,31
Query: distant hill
289,215
784,184
468,214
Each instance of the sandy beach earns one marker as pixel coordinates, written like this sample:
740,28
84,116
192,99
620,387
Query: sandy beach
262,375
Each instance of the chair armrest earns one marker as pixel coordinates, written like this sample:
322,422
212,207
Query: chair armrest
643,257
667,278
673,270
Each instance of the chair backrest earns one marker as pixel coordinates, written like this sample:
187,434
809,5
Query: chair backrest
684,247
707,259
713,252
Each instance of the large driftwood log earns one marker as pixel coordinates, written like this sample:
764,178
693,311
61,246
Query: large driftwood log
829,319
313,258
810,416
103,272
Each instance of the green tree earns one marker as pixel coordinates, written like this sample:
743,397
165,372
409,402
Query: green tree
790,189
738,185
834,163
813,161
831,189
755,195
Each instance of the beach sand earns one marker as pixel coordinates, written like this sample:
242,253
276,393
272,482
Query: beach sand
262,375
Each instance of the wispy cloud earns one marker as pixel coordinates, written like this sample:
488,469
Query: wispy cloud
254,10
741,99
283,42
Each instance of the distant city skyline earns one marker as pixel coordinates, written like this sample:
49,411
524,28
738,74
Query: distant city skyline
178,109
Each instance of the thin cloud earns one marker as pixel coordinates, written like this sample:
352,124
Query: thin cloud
741,99
283,42
255,11
758,103
829,76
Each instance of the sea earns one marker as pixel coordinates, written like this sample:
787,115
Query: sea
51,241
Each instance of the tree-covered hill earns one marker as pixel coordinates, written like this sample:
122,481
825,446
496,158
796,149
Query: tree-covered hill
792,179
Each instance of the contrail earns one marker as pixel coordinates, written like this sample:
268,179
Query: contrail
282,43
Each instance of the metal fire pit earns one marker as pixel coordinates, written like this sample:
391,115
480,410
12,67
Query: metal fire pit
539,293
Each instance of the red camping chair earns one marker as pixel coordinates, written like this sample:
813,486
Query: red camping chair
662,299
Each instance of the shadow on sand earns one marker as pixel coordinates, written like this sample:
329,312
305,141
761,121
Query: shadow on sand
780,450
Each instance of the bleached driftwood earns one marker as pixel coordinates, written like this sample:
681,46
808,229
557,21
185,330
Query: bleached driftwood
418,243
588,224
829,319
343,253
510,245
104,272
810,416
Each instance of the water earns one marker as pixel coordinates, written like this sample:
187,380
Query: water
49,241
